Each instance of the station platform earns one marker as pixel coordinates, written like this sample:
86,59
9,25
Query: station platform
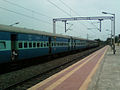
107,76
82,75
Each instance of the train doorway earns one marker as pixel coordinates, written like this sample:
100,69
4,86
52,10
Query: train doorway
14,46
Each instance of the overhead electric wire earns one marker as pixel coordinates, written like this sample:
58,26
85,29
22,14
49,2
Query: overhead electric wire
63,10
24,15
66,12
26,8
74,12
68,7
38,12
35,12
59,8
41,13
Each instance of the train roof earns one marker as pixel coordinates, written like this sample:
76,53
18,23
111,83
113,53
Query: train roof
32,31
27,31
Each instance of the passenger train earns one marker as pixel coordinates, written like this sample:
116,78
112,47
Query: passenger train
21,43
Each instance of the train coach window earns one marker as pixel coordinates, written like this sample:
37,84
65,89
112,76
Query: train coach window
30,45
47,44
44,44
38,44
41,44
25,45
34,44
2,45
20,45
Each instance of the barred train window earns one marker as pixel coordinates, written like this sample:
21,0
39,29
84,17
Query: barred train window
38,44
25,45
44,45
34,44
30,44
47,44
20,45
2,45
41,44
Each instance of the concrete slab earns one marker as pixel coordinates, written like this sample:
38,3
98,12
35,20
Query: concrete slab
107,76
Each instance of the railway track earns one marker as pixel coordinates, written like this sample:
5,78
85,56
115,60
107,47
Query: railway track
34,79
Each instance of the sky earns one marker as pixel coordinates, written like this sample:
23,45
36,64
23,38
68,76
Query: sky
38,15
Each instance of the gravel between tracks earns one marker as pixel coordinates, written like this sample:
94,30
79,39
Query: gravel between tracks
11,78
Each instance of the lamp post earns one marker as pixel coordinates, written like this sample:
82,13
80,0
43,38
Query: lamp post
111,31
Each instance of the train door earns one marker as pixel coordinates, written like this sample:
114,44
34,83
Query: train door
14,46
69,44
74,44
50,48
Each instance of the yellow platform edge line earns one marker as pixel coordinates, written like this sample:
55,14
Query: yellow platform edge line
89,78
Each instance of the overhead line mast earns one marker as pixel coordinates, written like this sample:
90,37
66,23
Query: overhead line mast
80,18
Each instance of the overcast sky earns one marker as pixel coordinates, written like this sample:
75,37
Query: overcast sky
38,15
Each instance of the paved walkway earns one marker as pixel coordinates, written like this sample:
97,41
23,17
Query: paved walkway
107,76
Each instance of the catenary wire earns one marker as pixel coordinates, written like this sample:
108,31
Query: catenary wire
75,12
24,15
59,8
30,11
38,13
41,13
63,10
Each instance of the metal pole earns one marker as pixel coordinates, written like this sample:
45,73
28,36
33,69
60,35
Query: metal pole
111,34
114,36
100,23
65,26
54,27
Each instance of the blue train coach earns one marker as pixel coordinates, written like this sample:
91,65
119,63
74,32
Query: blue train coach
20,43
